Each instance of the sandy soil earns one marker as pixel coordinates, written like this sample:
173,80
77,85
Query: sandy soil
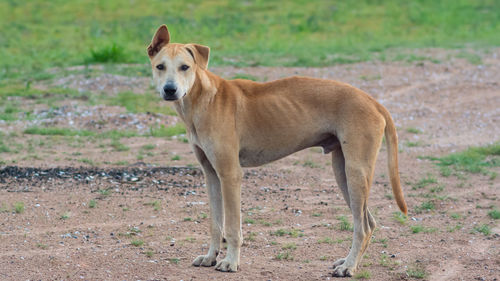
92,212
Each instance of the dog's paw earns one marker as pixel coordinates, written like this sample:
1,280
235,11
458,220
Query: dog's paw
205,260
338,262
227,265
343,271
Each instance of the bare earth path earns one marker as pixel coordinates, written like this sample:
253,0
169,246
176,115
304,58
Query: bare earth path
147,220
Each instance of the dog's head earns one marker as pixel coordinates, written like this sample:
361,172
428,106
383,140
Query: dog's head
175,65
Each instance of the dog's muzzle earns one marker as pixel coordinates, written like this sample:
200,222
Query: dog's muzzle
169,92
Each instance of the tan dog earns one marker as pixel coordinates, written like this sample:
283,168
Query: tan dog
240,123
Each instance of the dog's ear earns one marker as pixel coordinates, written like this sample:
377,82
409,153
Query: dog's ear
200,54
161,38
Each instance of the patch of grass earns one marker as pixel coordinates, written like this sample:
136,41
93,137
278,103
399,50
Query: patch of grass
363,274
245,76
284,256
162,131
86,161
240,33
141,103
148,147
454,228
188,219
473,160
118,134
118,146
413,130
92,204
65,216
425,206
382,241
290,232
190,239
19,207
420,228
416,272
53,131
175,260
251,236
317,214
289,246
424,182
311,164
328,240
42,246
155,204
249,221
470,57
149,253
437,189
413,143
137,243
494,214
344,224
104,192
445,171
455,216
111,53
176,158
484,229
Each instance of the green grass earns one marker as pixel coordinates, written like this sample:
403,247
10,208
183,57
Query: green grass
289,246
423,229
162,131
494,214
294,233
424,182
92,204
155,204
19,207
363,274
245,76
65,216
137,243
141,103
413,130
416,272
473,160
64,33
112,53
284,256
400,217
484,229
344,224
425,206
54,131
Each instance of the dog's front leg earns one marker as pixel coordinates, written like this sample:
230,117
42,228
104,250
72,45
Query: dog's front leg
230,175
216,212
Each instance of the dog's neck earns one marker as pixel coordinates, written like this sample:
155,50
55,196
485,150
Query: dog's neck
201,93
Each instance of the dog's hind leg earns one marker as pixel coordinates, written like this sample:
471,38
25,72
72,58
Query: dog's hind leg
360,155
216,211
338,164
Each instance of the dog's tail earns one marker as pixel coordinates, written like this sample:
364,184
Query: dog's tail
391,139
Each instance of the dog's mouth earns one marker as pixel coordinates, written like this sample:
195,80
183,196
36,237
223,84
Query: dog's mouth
170,98
173,97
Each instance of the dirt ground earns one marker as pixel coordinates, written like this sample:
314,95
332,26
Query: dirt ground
96,213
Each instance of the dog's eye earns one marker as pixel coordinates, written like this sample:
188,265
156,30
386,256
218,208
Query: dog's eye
160,67
184,67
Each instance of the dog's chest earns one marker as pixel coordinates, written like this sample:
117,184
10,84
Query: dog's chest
257,157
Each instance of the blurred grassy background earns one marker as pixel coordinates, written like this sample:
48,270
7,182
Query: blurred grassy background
38,34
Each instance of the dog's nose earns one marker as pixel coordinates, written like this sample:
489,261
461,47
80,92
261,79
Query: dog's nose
170,89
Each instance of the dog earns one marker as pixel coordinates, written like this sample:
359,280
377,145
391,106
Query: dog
239,123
